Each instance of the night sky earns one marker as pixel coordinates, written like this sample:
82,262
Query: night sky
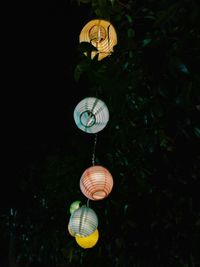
40,91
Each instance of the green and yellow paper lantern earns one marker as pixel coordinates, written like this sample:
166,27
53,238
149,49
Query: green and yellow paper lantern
74,206
102,35
88,241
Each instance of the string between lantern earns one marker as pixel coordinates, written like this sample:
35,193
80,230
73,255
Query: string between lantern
87,205
94,150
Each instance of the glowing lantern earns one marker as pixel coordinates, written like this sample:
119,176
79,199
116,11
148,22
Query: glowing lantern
96,182
83,221
88,241
70,231
91,115
101,34
74,206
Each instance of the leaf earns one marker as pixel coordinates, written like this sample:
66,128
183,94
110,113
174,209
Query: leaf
167,14
182,67
146,41
131,33
125,65
85,1
86,47
80,68
197,131
176,65
112,2
125,208
129,18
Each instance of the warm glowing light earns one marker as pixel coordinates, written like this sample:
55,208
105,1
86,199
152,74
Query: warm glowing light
89,241
101,34
96,182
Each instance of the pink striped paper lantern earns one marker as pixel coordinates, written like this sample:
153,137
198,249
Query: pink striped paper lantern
96,182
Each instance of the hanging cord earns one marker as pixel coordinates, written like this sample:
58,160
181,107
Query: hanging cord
94,150
108,32
87,203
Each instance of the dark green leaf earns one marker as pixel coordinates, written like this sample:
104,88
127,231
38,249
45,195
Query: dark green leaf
86,47
197,131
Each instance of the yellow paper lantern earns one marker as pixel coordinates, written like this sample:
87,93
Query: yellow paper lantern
101,34
83,221
96,182
89,241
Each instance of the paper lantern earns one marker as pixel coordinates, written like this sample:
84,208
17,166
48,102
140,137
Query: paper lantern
88,241
91,115
101,34
83,221
70,231
74,206
96,182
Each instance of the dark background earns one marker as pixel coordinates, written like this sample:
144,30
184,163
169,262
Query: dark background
39,93
38,96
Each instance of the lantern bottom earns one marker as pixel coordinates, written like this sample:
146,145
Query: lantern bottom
99,195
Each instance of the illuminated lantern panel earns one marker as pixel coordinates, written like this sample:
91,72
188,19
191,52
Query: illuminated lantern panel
83,221
91,115
70,231
96,182
101,34
89,241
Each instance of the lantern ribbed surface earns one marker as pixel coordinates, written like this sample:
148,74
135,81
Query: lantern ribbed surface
83,221
96,182
91,115
101,34
70,231
88,241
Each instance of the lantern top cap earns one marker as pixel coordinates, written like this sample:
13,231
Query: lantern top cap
97,166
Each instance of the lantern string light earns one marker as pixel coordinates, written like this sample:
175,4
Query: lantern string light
94,150
108,31
94,105
91,115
